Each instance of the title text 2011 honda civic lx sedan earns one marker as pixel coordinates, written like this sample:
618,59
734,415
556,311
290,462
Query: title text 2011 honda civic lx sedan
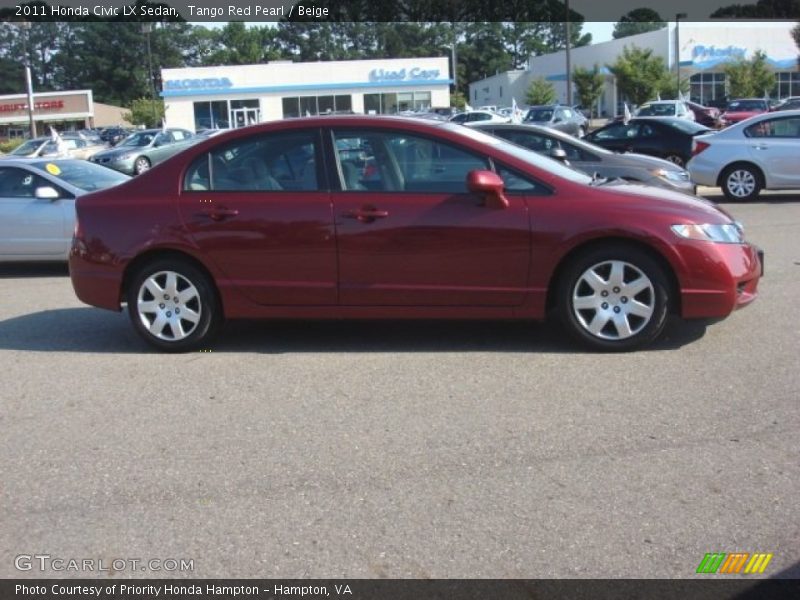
382,217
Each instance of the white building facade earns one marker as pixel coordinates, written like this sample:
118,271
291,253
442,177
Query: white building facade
704,49
234,96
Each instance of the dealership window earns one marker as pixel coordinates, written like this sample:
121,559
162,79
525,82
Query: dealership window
705,88
316,105
788,84
211,115
377,104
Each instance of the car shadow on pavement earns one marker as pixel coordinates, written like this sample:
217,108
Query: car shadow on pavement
93,330
24,270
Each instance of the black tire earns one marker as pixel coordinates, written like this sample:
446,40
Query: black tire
676,159
741,182
200,305
615,306
140,165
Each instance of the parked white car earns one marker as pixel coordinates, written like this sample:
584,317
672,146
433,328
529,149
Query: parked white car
762,152
479,116
665,108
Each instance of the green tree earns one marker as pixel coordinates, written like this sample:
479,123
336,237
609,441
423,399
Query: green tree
748,78
796,37
639,74
588,86
540,92
639,20
143,111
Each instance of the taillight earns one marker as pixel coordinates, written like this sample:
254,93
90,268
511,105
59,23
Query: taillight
698,147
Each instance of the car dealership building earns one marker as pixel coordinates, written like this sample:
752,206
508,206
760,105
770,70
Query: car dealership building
704,49
233,96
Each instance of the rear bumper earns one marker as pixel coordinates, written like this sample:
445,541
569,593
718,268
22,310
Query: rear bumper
728,280
94,283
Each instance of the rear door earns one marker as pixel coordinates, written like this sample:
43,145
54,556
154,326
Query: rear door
774,144
259,208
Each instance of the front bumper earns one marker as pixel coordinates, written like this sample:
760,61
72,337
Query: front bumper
724,278
123,166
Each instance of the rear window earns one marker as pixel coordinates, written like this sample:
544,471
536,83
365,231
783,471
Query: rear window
747,105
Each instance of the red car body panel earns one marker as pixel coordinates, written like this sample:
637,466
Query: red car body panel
339,254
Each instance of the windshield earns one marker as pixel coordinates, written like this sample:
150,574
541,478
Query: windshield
529,156
539,114
137,140
656,110
747,105
82,174
27,148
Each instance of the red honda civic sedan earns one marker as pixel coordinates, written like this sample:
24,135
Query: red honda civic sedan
382,217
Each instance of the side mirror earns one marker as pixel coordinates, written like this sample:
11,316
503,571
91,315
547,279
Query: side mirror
490,185
46,193
559,154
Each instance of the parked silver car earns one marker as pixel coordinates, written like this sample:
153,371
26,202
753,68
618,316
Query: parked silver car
560,118
593,159
37,204
143,149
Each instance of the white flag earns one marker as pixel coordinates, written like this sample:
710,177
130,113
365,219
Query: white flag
658,96
626,114
308,113
467,108
61,148
164,125
516,113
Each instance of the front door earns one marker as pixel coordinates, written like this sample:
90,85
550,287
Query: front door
258,209
775,147
409,233
31,226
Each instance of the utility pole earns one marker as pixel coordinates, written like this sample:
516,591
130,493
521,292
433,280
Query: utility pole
569,61
146,29
678,18
26,26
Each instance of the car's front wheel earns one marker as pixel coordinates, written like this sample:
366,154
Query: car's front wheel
741,183
173,305
141,165
614,298
675,159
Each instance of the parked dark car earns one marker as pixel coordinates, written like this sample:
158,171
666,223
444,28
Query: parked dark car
592,159
670,139
560,118
113,135
705,115
273,221
792,103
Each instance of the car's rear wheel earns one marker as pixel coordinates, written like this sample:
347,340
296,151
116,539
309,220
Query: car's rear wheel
741,182
614,298
141,165
173,305
675,159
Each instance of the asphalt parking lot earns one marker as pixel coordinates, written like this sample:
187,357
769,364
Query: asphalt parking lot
403,449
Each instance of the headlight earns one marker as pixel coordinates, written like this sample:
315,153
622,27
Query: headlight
681,176
126,156
728,233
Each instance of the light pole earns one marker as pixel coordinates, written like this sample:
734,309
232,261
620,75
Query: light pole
146,28
25,25
678,18
569,62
